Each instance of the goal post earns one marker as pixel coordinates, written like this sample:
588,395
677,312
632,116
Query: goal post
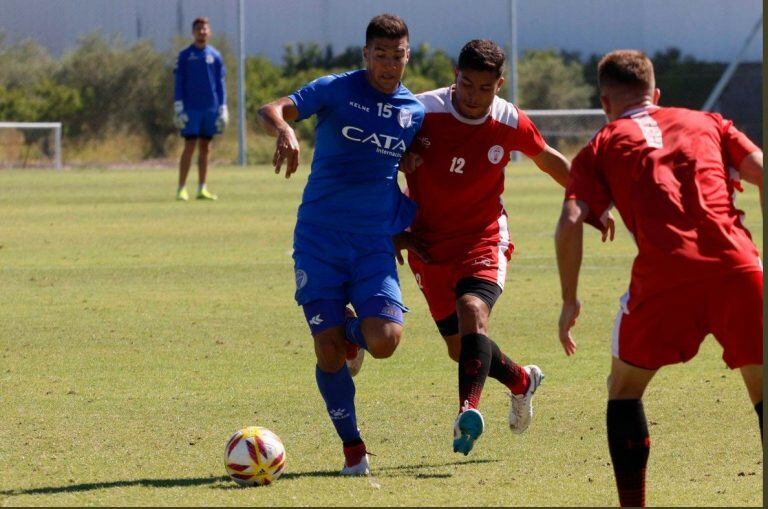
53,126
567,130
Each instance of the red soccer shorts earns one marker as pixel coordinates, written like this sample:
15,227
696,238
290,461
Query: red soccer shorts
668,328
486,259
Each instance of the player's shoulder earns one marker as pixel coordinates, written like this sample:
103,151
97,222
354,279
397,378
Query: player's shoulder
213,51
187,50
435,101
506,113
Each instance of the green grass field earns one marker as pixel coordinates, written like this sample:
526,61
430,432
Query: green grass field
137,333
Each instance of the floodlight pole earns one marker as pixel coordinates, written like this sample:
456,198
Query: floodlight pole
512,44
731,69
241,127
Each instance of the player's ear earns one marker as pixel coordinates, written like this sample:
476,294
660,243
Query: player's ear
656,95
365,53
499,84
605,101
456,73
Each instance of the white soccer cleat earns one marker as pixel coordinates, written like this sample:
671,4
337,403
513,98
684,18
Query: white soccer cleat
362,468
355,363
521,408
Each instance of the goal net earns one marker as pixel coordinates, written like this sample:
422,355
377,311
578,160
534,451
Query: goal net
30,145
567,130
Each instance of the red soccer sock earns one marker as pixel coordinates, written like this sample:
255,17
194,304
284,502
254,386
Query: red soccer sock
508,372
629,444
354,453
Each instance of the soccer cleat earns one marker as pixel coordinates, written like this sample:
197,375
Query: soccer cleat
521,408
355,355
467,429
205,194
356,461
182,194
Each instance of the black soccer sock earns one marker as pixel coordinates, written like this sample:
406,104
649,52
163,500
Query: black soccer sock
474,363
629,444
506,371
759,410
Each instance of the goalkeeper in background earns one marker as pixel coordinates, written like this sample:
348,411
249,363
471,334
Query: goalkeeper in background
200,104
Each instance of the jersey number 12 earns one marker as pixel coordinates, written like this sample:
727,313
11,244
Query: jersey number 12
457,165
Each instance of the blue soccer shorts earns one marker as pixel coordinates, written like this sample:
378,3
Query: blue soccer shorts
201,124
333,268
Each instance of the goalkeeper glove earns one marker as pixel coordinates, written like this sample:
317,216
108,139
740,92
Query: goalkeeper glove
180,118
223,119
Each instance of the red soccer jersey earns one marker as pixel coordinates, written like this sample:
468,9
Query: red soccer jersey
667,172
459,186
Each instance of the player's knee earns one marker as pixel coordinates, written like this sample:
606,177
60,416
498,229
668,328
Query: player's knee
454,352
384,339
330,352
473,314
623,388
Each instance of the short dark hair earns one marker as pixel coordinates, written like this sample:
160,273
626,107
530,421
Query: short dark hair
482,55
628,69
200,21
387,26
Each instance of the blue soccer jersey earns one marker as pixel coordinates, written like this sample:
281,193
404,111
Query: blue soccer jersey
199,79
361,135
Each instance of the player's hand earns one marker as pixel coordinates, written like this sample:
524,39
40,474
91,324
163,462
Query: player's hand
409,241
568,317
610,228
409,162
223,119
286,150
180,118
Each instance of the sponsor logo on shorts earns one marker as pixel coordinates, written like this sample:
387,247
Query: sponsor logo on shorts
482,261
316,320
495,154
390,309
405,118
301,279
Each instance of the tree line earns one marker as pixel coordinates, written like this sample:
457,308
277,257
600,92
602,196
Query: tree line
104,87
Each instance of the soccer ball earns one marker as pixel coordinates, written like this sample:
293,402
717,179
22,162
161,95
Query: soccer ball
254,456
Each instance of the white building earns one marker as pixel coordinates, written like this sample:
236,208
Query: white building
705,29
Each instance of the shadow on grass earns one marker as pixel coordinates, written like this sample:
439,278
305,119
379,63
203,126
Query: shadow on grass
397,471
154,483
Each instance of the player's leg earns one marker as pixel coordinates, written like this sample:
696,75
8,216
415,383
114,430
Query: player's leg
203,156
190,133
736,311
646,336
628,439
376,296
753,379
185,161
320,280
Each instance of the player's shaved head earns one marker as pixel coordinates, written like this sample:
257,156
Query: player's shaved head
386,26
482,55
625,71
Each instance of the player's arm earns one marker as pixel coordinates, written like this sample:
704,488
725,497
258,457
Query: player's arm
221,94
751,170
554,164
569,237
180,117
274,117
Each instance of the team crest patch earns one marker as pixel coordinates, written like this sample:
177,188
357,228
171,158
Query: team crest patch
301,279
495,154
208,59
405,118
